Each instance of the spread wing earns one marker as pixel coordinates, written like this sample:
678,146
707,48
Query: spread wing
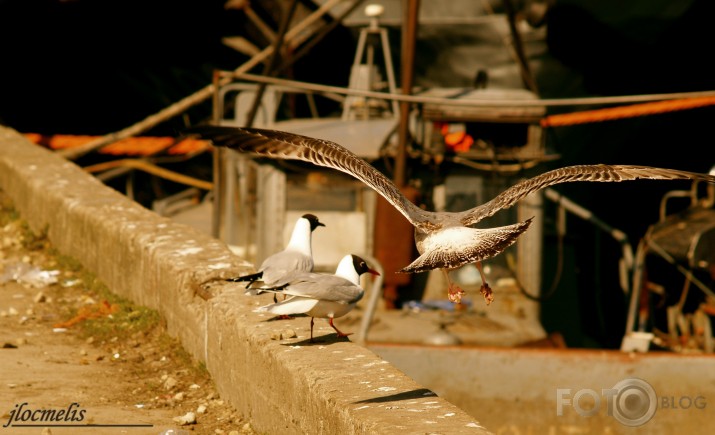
283,145
600,173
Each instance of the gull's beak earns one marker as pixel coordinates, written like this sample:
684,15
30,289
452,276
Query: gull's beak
373,272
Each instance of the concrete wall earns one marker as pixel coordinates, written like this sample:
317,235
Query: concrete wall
282,386
522,392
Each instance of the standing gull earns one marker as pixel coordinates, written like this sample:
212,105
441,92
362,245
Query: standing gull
297,256
444,240
319,294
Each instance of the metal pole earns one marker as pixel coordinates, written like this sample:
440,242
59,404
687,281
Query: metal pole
526,75
409,34
324,31
218,202
270,68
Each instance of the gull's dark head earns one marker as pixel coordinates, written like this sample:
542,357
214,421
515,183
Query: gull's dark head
362,267
313,219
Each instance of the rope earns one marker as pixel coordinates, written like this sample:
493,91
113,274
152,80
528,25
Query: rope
486,102
152,169
631,111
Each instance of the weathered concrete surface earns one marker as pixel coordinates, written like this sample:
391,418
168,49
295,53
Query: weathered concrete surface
283,386
521,393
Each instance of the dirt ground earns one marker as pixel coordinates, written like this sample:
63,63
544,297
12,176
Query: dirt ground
71,352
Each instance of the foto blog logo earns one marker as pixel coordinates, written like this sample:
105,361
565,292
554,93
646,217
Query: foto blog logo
632,402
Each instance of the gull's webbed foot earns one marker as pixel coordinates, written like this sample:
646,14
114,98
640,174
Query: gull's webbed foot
340,333
486,291
454,293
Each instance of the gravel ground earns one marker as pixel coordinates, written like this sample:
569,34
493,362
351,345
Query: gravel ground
72,352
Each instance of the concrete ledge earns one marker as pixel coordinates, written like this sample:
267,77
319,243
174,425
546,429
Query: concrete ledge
282,386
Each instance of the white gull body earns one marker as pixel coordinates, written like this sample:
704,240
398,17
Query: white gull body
296,256
320,295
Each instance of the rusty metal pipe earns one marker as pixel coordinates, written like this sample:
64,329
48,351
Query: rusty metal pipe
409,35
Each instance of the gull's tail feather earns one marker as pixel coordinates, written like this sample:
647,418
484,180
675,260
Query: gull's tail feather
259,287
250,278
487,243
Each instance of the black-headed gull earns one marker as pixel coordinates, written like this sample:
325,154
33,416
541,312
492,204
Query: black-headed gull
445,240
297,256
321,295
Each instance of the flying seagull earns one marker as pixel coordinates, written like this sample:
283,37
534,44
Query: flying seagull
297,256
320,295
445,240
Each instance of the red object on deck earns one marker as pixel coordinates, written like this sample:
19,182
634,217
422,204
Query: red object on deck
394,245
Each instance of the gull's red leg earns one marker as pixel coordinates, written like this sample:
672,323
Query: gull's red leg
340,334
454,292
485,290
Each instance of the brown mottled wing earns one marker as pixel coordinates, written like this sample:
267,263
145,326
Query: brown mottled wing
600,173
289,146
